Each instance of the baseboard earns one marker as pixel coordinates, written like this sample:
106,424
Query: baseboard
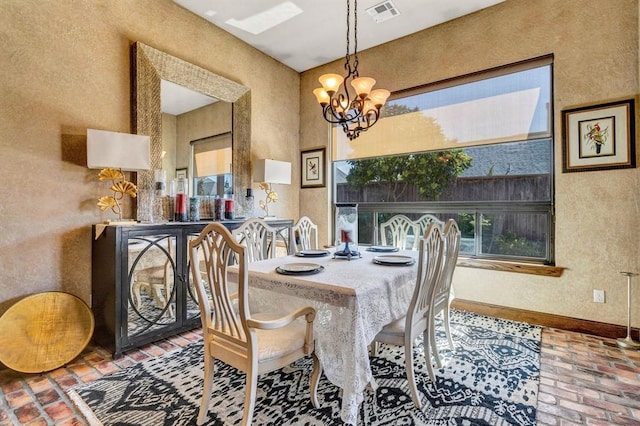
547,320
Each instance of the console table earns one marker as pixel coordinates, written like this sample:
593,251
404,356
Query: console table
141,289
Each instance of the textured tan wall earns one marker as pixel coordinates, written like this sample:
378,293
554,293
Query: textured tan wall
595,44
65,68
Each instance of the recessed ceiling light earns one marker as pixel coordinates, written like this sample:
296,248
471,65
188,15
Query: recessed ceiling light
210,13
261,22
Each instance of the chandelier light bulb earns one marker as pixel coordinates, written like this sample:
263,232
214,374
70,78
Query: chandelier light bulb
379,96
331,82
369,107
322,96
362,86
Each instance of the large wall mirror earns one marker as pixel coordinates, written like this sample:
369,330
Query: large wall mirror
157,77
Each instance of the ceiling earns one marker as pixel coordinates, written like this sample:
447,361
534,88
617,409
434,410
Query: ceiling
304,34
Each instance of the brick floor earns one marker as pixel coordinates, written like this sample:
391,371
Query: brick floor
587,380
584,380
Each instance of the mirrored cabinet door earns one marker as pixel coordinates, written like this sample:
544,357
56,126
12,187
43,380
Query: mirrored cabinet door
153,282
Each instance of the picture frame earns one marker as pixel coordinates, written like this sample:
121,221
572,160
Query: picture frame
599,137
182,173
313,169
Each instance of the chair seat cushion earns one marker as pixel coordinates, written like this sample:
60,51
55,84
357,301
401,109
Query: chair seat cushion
395,328
282,341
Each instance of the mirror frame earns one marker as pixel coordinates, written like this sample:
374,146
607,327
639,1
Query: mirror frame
149,67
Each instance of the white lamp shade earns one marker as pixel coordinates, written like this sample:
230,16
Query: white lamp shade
272,171
216,162
118,150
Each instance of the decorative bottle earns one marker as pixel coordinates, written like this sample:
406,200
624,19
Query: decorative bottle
228,208
249,204
182,193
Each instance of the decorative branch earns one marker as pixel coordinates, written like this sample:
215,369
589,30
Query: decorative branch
120,188
271,197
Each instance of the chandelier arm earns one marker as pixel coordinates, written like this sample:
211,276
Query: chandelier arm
334,117
362,125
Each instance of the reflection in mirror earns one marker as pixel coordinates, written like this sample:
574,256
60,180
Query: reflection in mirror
150,68
196,131
212,166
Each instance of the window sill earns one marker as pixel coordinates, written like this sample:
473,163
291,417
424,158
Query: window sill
523,268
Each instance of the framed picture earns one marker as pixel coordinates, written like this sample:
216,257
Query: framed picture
313,168
599,137
182,173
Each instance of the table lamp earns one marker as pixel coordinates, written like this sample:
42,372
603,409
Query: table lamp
114,152
268,172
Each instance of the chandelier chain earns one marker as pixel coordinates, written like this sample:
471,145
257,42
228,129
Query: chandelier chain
355,38
347,59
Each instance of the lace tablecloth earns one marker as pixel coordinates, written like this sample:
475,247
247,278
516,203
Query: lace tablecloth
354,299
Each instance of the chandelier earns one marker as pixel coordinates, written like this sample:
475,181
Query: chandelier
355,111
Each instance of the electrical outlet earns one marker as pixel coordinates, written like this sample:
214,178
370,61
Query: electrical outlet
598,296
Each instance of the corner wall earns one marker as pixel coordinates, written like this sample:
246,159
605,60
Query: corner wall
595,47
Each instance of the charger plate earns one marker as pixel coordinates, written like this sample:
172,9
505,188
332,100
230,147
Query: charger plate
299,269
383,249
394,260
44,331
312,253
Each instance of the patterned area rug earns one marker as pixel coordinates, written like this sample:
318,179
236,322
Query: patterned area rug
492,379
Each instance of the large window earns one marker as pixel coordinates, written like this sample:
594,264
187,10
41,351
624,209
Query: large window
478,149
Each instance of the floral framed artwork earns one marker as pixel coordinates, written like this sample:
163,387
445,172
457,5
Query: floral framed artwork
313,168
599,137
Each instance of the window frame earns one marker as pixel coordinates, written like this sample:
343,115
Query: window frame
478,208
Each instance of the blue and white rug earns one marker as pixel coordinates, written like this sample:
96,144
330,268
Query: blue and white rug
492,379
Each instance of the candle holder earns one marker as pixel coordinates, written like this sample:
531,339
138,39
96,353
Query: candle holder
628,341
347,232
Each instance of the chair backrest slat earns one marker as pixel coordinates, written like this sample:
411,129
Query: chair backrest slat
396,231
452,248
305,235
429,267
423,221
216,250
258,237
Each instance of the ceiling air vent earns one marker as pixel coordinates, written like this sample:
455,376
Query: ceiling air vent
383,11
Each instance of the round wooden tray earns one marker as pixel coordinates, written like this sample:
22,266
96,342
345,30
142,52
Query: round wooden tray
44,331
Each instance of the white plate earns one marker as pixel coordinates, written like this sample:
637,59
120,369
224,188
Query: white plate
312,253
394,259
383,249
299,268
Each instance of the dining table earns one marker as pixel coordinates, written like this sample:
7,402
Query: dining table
354,299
